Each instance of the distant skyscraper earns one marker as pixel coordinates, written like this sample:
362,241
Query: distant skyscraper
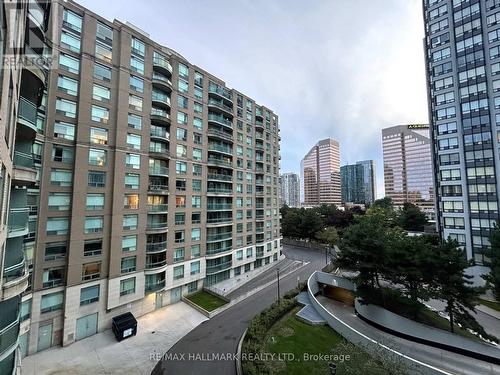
358,182
290,189
408,173
321,174
463,65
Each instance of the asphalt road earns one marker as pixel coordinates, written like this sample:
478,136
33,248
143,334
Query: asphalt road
220,335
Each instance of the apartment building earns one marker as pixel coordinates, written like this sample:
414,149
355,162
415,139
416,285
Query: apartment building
408,172
320,170
23,75
290,189
358,182
157,180
462,48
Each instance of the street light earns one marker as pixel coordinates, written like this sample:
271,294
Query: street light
278,272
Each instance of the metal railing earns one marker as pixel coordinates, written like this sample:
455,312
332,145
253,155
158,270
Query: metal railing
155,169
23,159
219,206
221,134
216,147
220,177
220,162
220,119
157,207
218,267
156,247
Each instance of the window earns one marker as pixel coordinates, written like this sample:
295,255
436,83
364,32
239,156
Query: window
198,79
181,134
179,236
102,72
67,85
445,113
183,71
198,108
193,287
93,224
196,201
181,151
96,179
475,40
197,139
180,167
129,243
180,201
449,159
454,222
72,21
196,185
128,264
448,97
441,54
100,114
59,201
57,226
101,93
249,252
195,234
137,64
182,101
95,202
137,47
103,51
198,123
51,302
92,247
195,251
62,154
130,222
134,141
134,121
55,251
70,41
104,33
64,130
69,63
178,272
66,107
89,295
239,255
91,271
179,254
183,86
197,169
182,118
99,136
97,157
131,181
127,286
198,93
133,161
448,143
196,218
136,84
453,206
195,267
131,201
180,218
197,154
135,102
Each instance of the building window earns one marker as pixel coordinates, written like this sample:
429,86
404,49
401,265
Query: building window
91,271
178,272
134,121
67,85
128,264
59,201
66,107
70,41
181,134
196,201
195,234
180,218
183,86
97,157
95,202
57,226
94,224
137,47
92,247
195,251
102,72
179,254
98,136
53,277
137,64
103,51
130,222
69,63
136,84
195,267
127,286
179,236
89,295
133,161
132,181
96,179
193,287
101,93
55,251
180,201
51,302
131,201
64,130
196,218
180,167
100,114
134,141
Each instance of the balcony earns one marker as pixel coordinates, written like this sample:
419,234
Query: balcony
159,133
160,100
220,162
18,222
158,170
159,150
27,116
162,66
219,221
156,226
161,82
220,134
155,261
220,91
24,172
8,337
157,208
221,106
219,237
220,207
15,273
157,188
154,285
259,124
160,116
36,66
220,177
220,148
219,191
213,266
220,120
156,247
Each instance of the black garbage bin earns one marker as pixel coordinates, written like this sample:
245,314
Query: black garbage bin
124,325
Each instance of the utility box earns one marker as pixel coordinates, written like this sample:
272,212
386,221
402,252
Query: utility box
124,325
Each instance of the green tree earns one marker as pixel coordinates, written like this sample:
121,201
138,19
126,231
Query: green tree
411,218
328,235
310,224
452,285
493,278
291,223
383,203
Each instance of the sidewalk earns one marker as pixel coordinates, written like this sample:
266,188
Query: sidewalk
102,354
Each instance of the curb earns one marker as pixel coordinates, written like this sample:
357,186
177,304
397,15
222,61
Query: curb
489,311
239,369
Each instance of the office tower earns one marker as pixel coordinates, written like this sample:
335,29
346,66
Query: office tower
358,182
463,63
290,189
320,170
157,180
408,173
24,34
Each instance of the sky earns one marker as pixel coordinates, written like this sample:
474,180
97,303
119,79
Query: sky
329,68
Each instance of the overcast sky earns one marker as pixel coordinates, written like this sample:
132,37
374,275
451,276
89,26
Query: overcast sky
329,68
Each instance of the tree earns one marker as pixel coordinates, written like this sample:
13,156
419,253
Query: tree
411,218
328,235
452,285
291,223
383,203
311,223
493,278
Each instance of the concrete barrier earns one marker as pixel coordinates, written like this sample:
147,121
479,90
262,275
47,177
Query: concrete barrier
358,338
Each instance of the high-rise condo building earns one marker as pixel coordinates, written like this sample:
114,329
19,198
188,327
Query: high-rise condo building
320,170
157,180
462,48
408,173
25,45
358,182
290,189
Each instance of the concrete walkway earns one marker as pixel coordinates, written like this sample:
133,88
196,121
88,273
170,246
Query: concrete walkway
102,354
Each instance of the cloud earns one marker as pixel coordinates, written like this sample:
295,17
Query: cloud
341,69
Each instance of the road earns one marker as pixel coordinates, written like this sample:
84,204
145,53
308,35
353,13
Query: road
222,333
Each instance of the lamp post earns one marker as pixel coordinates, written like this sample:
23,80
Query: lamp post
278,272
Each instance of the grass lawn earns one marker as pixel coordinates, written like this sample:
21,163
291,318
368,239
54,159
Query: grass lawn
290,335
206,300
491,304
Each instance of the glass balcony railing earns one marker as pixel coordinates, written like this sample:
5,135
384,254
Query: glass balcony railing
159,114
14,272
219,237
27,111
158,148
154,286
220,119
157,207
219,190
221,148
23,159
218,267
220,104
220,162
157,169
158,78
220,220
153,265
219,206
157,187
159,132
163,64
8,336
18,220
162,98
156,247
219,90
220,177
220,134
156,225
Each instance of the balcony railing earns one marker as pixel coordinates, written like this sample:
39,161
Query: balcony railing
220,206
220,104
162,63
220,162
157,187
221,148
159,113
156,247
23,159
155,169
220,177
219,237
220,91
154,265
8,336
27,111
18,220
218,267
157,207
220,119
159,132
220,220
218,250
156,225
158,149
154,286
162,79
14,272
220,190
